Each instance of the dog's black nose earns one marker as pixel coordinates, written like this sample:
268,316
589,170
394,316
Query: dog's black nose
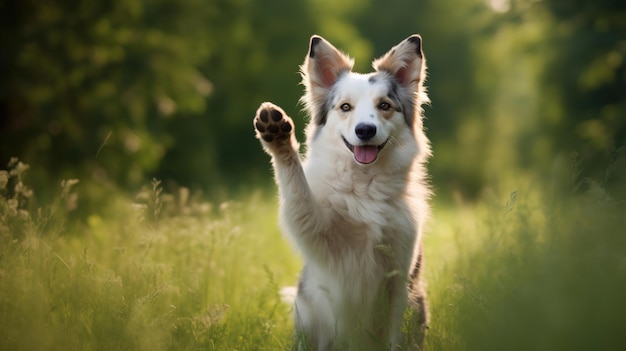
365,131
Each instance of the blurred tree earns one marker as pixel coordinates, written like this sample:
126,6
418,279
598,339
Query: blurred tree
130,89
258,47
86,86
586,74
122,91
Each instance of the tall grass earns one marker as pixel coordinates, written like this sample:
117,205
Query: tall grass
546,270
539,270
160,272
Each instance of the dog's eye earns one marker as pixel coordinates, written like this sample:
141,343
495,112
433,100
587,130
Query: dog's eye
385,106
345,107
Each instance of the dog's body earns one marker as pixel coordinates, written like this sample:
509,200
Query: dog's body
357,204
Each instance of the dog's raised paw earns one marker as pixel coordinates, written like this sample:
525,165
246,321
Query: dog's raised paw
272,124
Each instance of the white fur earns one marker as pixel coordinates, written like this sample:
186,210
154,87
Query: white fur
358,226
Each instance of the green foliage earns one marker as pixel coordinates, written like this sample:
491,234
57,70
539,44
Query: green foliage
590,37
120,92
86,84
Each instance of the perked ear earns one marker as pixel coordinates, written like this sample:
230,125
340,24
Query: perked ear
324,64
405,62
320,71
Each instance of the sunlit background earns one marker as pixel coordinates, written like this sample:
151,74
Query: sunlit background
528,106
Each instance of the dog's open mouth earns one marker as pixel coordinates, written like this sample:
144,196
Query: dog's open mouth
365,154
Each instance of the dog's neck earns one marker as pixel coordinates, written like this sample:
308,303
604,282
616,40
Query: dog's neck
377,180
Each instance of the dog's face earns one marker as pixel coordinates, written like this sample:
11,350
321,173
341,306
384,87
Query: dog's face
366,113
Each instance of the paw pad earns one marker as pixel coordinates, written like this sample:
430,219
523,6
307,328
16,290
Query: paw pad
272,124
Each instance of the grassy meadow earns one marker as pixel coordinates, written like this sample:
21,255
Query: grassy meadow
154,272
531,270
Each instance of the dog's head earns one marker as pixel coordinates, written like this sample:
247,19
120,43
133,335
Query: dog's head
366,112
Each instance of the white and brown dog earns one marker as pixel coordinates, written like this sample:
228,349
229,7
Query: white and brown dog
356,205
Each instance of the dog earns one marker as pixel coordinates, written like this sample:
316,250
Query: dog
356,205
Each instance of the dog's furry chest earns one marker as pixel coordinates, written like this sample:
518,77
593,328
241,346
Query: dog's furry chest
357,197
371,223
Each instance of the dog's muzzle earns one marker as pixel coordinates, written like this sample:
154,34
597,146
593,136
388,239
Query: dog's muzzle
365,154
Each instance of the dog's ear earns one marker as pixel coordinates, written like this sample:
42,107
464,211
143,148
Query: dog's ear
405,62
324,63
322,67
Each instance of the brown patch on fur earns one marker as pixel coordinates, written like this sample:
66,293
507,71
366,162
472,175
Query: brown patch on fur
388,113
406,65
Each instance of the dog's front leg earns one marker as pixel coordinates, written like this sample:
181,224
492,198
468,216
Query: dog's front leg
300,212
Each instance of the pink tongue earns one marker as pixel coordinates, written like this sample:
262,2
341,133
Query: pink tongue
366,153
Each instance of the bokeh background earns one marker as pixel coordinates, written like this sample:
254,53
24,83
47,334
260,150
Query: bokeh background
118,92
